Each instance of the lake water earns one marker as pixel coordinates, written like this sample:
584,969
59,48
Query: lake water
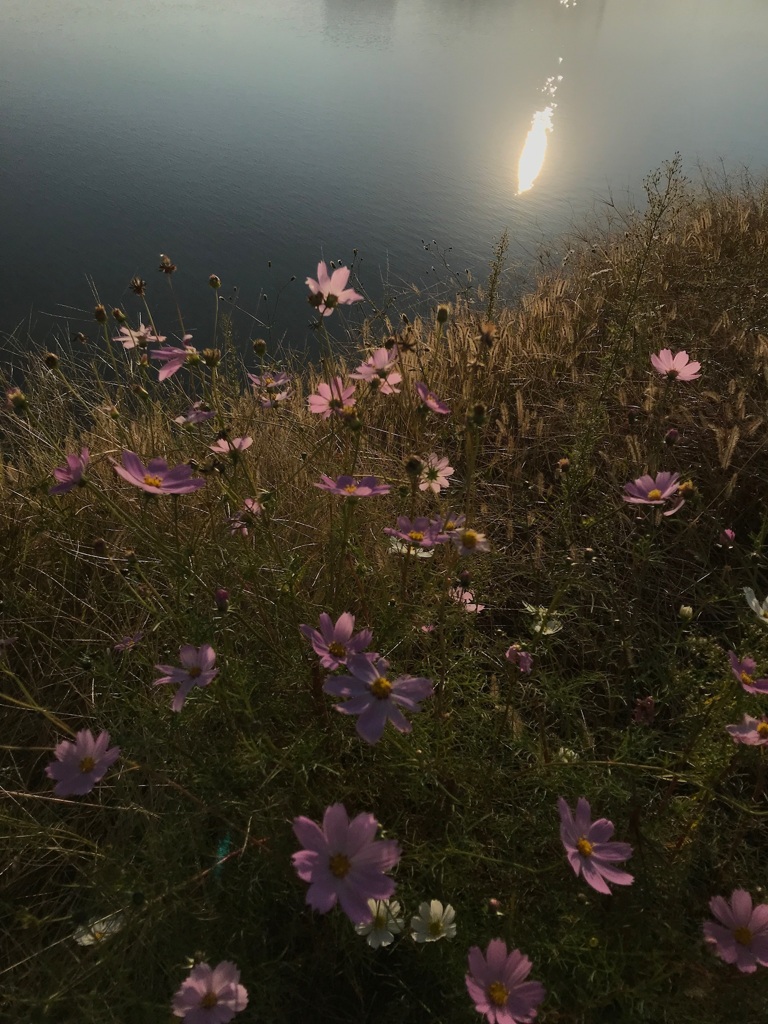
234,133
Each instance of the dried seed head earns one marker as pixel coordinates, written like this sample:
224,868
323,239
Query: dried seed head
166,266
80,337
478,415
443,312
488,333
211,356
138,285
17,400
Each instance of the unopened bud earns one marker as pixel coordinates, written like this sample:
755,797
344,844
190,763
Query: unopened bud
414,467
214,281
685,612
478,415
17,400
563,465
140,391
51,360
80,337
100,314
672,436
211,356
443,312
221,599
727,537
100,547
119,315
259,346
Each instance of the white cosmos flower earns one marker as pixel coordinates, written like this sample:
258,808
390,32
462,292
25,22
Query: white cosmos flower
760,610
433,923
386,923
399,547
98,929
546,622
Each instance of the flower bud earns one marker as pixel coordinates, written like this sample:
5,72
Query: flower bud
140,391
563,465
478,415
727,537
211,357
685,612
488,333
221,599
672,436
414,467
119,315
17,400
100,547
443,312
100,314
259,346
687,488
214,281
51,360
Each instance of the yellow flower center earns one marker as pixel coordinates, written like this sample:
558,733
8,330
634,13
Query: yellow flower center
584,847
87,765
746,678
350,488
449,525
743,936
469,538
209,1000
153,481
98,936
348,410
762,730
339,865
268,382
655,494
381,688
497,993
337,650
415,535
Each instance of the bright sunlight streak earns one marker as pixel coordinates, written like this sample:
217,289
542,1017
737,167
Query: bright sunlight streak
534,149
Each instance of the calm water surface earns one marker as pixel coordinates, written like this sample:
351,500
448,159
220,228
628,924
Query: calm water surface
233,133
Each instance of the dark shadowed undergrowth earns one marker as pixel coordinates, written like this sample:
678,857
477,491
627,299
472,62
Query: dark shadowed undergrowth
554,408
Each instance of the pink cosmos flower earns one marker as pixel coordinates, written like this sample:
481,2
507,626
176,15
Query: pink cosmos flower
465,598
332,399
344,863
199,413
350,487
745,671
469,542
451,523
752,731
210,996
334,643
434,475
175,358
196,670
157,478
328,292
591,851
140,338
225,446
740,934
71,475
678,366
374,697
242,520
419,533
270,388
128,642
377,370
647,491
80,765
430,400
497,984
522,659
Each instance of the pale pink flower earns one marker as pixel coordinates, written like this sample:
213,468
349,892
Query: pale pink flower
419,533
649,491
465,598
72,475
745,671
469,542
352,487
497,984
175,358
210,996
726,538
242,520
435,474
752,731
199,413
678,367
80,765
430,400
128,642
590,849
156,477
344,863
330,291
270,389
197,669
521,659
377,369
334,642
140,338
332,399
225,446
740,934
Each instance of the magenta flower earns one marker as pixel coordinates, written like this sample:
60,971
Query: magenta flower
140,338
522,659
71,475
350,487
675,367
377,370
344,863
128,642
647,491
469,542
157,478
435,474
591,851
419,533
225,446
332,399
80,765
745,672
270,389
175,358
465,598
328,292
726,538
740,934
497,984
242,520
196,670
430,400
451,523
199,413
210,996
752,731
375,698
334,643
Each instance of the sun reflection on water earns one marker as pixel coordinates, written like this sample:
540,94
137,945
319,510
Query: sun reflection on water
535,146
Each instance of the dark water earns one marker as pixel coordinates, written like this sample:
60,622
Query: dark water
233,133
